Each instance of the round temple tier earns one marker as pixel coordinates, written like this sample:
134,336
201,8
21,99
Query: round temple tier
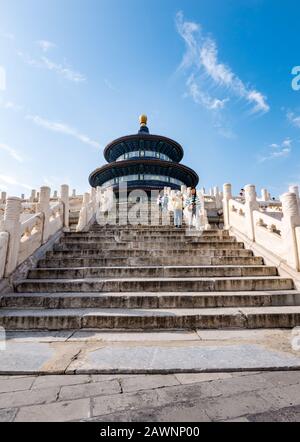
144,161
143,145
150,174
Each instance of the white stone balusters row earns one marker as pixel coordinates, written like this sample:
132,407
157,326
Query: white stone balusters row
277,232
21,236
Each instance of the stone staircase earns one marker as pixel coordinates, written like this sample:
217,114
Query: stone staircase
154,277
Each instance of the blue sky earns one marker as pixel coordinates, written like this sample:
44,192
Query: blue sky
215,76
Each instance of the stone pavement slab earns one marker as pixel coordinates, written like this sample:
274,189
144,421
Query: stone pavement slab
56,412
153,352
144,382
15,384
289,414
37,357
89,390
195,378
8,415
226,397
56,380
196,358
30,397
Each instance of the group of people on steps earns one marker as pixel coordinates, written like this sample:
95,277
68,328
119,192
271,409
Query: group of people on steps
185,205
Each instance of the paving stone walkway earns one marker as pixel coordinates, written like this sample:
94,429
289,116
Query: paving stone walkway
94,352
240,397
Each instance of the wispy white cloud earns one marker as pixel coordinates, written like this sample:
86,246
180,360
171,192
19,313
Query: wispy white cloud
293,119
62,128
64,71
7,179
201,56
215,105
275,151
45,63
11,152
203,98
45,45
11,105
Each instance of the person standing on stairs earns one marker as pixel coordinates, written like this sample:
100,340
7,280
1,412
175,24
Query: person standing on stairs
192,208
177,203
165,202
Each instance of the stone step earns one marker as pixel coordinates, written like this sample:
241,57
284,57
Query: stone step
135,319
127,234
146,261
180,240
150,300
151,254
114,245
143,228
160,272
154,284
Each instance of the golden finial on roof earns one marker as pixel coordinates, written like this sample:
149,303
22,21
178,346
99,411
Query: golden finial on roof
143,120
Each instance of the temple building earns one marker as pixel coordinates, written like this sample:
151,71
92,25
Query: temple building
144,161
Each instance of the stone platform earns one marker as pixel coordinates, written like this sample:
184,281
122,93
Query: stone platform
94,352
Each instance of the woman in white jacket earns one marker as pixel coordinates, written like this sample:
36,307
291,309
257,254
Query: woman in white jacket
177,204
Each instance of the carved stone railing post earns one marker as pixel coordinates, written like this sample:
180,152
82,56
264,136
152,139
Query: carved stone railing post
227,196
94,197
295,190
11,224
264,195
4,237
83,216
251,204
3,198
64,199
43,206
32,196
290,221
216,194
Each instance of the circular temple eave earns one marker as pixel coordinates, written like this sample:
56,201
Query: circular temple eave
131,143
117,169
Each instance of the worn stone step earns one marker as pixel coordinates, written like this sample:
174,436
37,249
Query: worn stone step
134,245
135,319
172,239
151,271
153,254
142,235
178,233
146,261
150,300
154,284
140,227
